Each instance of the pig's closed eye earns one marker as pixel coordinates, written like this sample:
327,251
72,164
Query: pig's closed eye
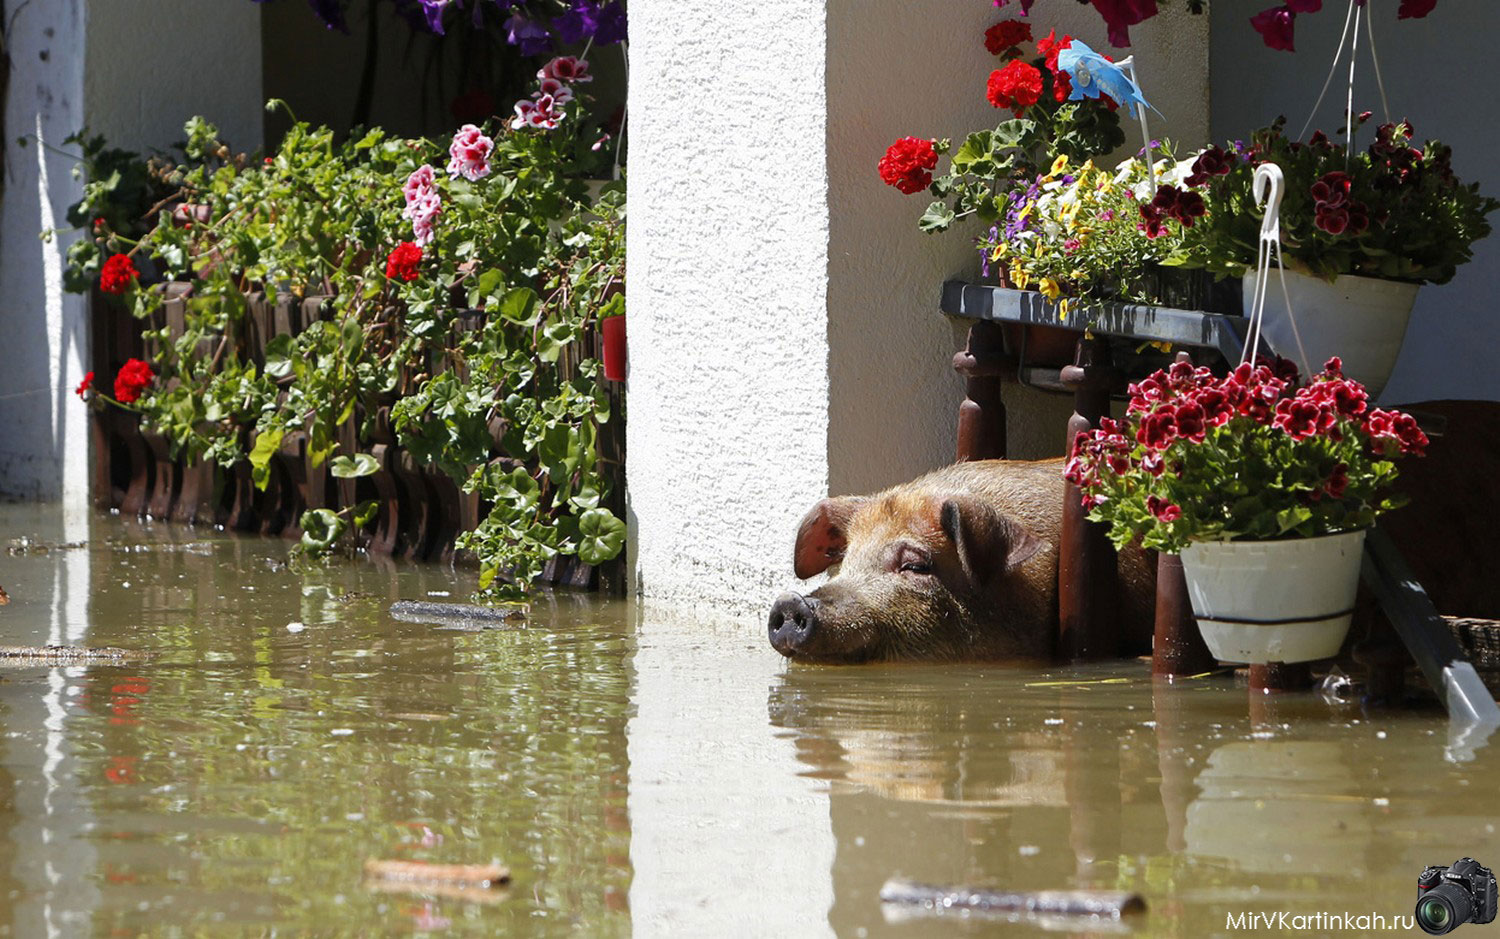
915,564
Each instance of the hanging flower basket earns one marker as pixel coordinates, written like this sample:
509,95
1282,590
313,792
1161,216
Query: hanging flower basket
1360,319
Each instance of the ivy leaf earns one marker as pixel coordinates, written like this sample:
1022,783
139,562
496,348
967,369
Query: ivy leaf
600,536
279,356
365,512
362,464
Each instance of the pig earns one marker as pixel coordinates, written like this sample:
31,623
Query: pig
959,565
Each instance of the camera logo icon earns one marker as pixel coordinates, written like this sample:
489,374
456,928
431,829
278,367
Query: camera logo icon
1448,897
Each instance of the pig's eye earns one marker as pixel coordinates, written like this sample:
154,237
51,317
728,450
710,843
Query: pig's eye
915,565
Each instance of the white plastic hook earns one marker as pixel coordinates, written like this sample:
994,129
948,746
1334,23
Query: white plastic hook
1140,112
1268,186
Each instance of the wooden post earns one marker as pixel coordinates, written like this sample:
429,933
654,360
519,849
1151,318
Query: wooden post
1087,590
1280,676
1177,648
981,416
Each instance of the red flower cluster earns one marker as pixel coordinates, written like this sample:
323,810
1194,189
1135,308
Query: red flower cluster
401,263
1006,34
133,378
85,385
908,164
1017,86
117,274
1215,161
1170,202
1334,211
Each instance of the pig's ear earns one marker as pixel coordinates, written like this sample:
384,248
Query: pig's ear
822,538
988,543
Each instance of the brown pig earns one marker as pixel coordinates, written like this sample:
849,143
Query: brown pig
960,564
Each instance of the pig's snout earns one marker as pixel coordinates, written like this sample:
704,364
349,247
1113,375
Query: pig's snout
794,622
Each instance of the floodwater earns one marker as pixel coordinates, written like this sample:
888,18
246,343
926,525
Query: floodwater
645,771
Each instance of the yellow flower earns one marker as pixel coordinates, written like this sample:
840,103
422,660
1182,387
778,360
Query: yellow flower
1059,164
1018,276
1063,306
1050,288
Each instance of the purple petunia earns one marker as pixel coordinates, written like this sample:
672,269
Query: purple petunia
586,20
527,35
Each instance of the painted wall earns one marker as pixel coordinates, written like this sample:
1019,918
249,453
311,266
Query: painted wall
44,447
784,335
1428,66
727,268
104,65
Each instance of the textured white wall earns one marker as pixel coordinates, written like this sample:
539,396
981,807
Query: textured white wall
727,273
44,446
784,335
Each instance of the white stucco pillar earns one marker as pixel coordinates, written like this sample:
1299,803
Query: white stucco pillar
785,341
727,275
134,73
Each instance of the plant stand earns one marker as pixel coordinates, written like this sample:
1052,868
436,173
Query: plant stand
1423,632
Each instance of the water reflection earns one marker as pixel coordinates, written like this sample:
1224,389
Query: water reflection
641,770
1099,778
244,774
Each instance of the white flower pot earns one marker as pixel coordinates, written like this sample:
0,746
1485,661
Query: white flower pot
1360,319
1274,601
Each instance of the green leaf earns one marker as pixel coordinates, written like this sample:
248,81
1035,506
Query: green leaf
279,356
362,464
321,528
365,512
600,536
519,306
266,444
937,217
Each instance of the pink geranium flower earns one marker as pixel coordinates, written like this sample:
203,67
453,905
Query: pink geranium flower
561,94
536,112
568,69
469,154
418,185
423,214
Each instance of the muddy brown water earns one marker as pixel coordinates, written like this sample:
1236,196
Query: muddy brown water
643,770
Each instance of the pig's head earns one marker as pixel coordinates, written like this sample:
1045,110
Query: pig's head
919,576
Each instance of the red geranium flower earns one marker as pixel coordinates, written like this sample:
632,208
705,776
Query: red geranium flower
1006,34
401,263
85,385
1163,510
1415,9
1017,86
117,274
134,376
908,163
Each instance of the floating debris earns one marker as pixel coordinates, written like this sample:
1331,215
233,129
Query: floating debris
4,597
24,545
478,883
1089,904
463,615
68,655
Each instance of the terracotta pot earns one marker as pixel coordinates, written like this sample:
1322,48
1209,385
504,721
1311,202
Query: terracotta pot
613,330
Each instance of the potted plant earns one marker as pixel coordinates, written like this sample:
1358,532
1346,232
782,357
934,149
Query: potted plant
1264,487
1361,231
1044,124
1075,233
